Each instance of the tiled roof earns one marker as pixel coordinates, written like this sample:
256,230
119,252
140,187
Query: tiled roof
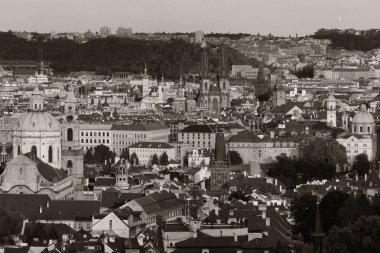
155,145
70,210
48,172
139,127
105,181
244,136
159,201
26,204
197,129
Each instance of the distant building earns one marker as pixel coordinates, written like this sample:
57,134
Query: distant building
199,37
220,172
105,31
146,150
124,32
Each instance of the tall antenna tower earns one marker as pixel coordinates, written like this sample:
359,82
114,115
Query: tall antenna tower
339,20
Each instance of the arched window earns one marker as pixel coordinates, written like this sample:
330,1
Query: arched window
18,150
354,129
361,129
70,134
34,150
369,129
50,154
69,164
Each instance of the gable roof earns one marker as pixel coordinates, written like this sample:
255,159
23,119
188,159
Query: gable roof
244,136
26,204
158,201
70,210
197,129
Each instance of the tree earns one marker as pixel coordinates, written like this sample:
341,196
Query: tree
237,195
164,159
235,157
361,236
325,150
53,233
353,208
134,160
361,164
304,210
281,247
88,157
125,155
103,153
329,207
35,230
8,227
155,159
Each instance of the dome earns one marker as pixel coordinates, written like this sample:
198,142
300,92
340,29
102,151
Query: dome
37,121
363,117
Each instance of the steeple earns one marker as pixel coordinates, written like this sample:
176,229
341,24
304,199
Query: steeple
220,147
318,236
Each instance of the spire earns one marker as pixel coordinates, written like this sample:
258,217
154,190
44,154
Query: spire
318,236
220,147
145,70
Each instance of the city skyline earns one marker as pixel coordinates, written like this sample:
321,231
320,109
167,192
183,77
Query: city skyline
255,16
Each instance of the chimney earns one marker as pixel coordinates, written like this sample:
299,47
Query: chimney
267,222
271,134
40,209
365,177
194,234
235,237
140,240
275,181
47,204
221,233
264,214
217,210
203,185
356,177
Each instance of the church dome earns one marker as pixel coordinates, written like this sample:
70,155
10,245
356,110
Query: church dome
37,121
363,117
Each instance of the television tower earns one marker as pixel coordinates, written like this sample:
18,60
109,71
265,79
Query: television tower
339,20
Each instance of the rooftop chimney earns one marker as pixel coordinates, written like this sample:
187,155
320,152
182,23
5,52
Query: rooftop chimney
235,237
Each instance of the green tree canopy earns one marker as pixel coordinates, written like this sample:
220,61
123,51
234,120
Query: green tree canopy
235,158
164,159
361,236
304,210
329,207
155,159
134,160
361,164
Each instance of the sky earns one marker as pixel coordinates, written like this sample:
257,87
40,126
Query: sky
279,17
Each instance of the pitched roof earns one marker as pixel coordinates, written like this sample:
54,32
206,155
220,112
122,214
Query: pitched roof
105,181
26,204
158,201
150,144
70,210
197,129
244,136
138,127
48,172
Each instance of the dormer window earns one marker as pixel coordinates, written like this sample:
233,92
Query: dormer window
50,124
33,124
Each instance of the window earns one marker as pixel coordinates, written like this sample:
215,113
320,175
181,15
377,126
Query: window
110,225
34,150
369,129
260,153
69,134
81,133
50,154
360,129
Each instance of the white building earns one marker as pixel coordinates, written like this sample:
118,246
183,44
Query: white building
146,150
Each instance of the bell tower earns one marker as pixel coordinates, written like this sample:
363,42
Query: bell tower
331,111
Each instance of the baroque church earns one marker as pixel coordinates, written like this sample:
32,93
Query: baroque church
214,96
47,158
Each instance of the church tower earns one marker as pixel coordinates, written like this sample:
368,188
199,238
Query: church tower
219,169
72,153
331,111
122,176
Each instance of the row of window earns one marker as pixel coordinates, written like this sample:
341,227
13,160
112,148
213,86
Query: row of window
95,141
193,135
356,151
356,145
95,134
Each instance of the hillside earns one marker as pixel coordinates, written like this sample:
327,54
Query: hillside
365,41
108,55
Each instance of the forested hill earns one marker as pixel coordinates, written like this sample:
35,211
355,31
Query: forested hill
108,55
365,41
